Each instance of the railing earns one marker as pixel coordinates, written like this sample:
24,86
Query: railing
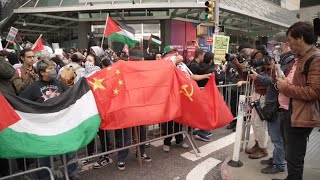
117,141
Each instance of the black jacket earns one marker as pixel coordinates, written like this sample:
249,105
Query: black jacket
6,73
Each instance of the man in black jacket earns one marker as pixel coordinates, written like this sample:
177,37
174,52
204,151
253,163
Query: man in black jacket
6,73
196,68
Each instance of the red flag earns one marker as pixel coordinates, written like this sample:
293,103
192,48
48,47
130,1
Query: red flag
204,109
136,93
38,45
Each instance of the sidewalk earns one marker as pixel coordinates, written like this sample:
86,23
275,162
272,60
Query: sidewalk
251,169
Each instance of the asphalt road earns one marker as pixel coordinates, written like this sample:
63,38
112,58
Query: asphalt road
177,164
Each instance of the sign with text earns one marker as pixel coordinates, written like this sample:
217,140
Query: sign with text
220,47
209,41
12,34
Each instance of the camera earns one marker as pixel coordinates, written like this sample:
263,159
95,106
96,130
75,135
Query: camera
266,60
230,57
256,104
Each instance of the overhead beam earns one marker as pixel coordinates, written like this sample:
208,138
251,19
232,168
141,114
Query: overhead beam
188,12
106,7
117,12
132,18
39,25
55,17
174,12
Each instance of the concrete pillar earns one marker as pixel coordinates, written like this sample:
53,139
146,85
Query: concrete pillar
83,29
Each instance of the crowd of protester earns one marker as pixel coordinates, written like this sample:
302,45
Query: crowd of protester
28,76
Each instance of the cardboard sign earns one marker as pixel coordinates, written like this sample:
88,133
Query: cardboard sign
12,34
220,48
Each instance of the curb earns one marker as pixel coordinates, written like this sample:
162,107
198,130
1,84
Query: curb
224,169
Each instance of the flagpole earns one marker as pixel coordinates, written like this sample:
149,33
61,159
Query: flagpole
36,42
105,27
6,45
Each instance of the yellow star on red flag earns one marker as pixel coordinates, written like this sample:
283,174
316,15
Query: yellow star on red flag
116,91
117,71
120,82
97,84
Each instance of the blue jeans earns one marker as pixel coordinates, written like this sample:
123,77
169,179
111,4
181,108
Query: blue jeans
45,162
124,138
277,140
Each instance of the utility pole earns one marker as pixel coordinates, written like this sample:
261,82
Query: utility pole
216,16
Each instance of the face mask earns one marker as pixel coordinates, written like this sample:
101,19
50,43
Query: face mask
88,64
52,74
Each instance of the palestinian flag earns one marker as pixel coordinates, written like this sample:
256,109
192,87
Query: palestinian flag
119,32
155,40
38,45
17,46
60,125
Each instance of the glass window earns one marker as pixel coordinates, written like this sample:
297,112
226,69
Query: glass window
44,3
69,2
151,28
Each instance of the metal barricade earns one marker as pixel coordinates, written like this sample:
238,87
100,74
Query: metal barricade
120,141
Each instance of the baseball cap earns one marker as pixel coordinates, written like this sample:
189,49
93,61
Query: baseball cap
280,37
168,49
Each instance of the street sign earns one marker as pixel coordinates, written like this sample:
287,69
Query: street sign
12,34
209,41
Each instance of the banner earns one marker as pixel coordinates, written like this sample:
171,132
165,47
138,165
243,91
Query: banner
220,47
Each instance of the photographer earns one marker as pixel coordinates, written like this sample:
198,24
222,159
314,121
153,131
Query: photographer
254,58
284,56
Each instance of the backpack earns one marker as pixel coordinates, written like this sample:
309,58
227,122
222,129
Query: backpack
68,75
308,63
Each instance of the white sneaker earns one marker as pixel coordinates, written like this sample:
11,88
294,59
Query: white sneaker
87,161
104,160
166,148
183,145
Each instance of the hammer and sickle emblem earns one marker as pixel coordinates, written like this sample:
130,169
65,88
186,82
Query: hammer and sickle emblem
186,92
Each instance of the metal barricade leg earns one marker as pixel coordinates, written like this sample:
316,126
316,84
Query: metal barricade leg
137,138
65,166
28,172
235,162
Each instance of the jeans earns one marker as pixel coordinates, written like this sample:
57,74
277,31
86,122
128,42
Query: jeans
45,162
169,128
4,167
123,139
277,140
295,146
104,140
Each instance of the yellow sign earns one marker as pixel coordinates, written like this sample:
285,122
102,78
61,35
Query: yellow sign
220,48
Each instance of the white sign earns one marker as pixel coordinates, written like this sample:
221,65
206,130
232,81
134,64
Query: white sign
12,34
58,51
55,46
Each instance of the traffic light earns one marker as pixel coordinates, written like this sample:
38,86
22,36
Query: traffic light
209,10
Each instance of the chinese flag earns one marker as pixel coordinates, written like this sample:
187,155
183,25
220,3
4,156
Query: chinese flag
136,93
204,109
